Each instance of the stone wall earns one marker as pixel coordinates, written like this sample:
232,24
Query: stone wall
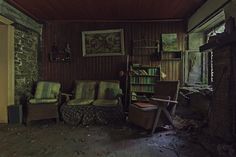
26,60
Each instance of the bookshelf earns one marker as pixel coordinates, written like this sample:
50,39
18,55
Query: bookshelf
142,81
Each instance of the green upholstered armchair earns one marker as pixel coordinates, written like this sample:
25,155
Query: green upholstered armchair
79,108
108,105
44,104
84,93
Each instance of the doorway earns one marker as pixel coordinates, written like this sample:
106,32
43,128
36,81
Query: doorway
6,67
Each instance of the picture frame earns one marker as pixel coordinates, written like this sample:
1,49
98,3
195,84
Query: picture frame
169,42
103,43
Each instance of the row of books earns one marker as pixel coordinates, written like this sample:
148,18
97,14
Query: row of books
149,71
153,71
142,89
143,80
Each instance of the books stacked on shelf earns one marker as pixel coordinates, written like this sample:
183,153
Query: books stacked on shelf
143,80
145,72
139,72
142,89
152,71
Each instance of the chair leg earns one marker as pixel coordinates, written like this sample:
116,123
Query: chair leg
168,116
156,120
173,110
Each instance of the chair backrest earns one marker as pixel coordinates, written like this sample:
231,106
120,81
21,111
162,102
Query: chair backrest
108,89
85,89
47,90
167,88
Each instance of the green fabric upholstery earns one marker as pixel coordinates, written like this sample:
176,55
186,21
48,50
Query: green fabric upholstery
85,89
80,102
94,105
47,90
43,101
105,102
108,90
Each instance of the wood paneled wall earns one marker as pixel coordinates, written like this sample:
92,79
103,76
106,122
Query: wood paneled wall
98,68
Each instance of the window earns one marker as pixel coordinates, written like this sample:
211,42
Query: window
198,66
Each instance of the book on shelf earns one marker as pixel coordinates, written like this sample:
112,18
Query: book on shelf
152,71
148,89
135,72
143,72
142,80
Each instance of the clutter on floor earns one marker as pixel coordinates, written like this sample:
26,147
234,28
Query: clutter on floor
58,140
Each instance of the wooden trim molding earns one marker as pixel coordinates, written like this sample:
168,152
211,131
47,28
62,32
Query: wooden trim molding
23,10
5,21
7,90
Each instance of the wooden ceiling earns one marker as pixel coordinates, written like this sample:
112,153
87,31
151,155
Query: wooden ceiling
46,10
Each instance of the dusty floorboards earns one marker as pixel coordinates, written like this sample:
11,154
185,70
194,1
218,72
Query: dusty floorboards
60,140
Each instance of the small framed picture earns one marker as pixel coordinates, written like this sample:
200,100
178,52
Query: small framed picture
169,42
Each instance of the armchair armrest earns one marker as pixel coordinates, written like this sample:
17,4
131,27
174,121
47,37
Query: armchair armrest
163,100
68,96
119,95
29,96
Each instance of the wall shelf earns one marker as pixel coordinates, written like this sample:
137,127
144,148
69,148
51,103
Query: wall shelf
172,56
59,57
146,47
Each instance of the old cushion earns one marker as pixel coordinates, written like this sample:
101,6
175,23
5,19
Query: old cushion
80,102
43,101
85,89
47,90
106,102
108,90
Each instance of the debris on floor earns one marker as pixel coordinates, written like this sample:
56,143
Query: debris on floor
109,141
188,124
226,150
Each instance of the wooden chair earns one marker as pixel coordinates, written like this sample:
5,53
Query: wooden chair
165,98
44,103
147,114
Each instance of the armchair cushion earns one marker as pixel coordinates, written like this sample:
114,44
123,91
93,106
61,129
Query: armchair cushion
112,93
42,101
85,89
47,90
80,102
106,102
108,90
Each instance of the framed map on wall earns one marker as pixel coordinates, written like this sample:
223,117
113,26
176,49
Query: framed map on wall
103,42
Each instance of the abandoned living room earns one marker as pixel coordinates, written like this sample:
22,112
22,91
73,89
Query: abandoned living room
117,78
